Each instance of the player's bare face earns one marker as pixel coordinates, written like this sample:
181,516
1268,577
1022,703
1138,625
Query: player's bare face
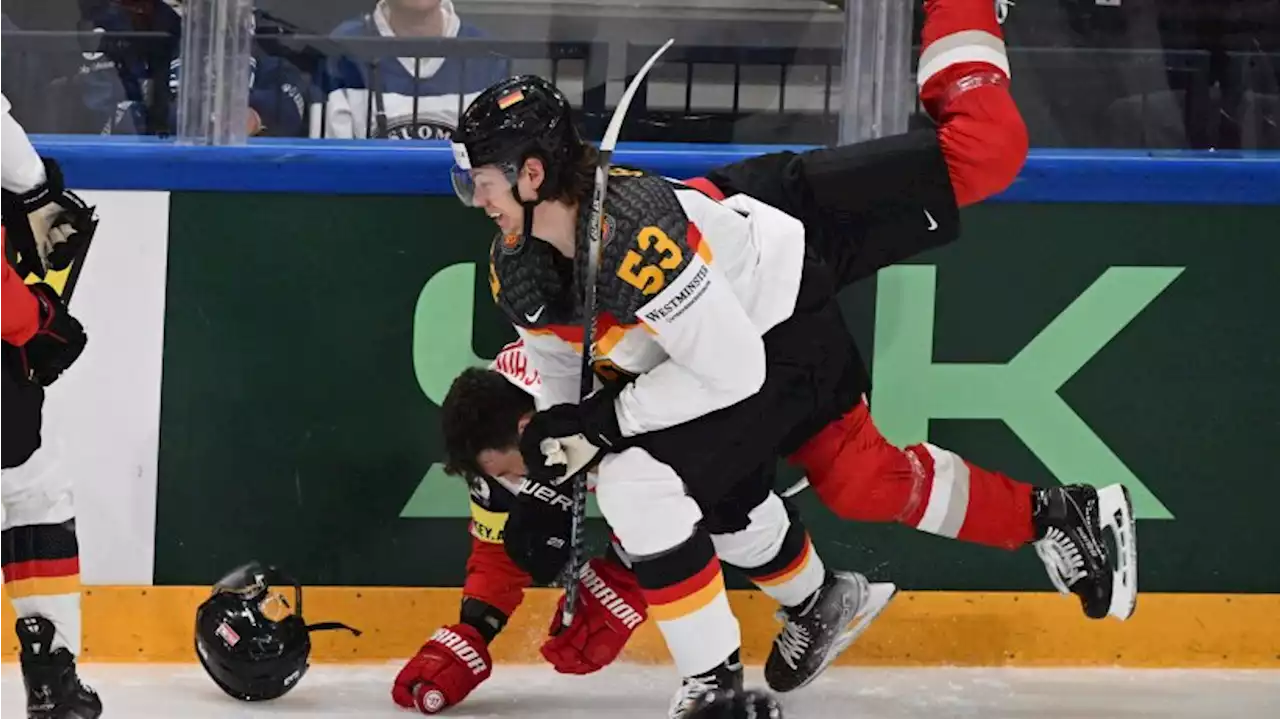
492,188
506,464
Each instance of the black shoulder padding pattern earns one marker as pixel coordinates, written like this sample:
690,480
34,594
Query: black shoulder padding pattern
646,243
530,281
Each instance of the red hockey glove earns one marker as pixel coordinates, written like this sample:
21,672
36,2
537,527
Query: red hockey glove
611,609
59,339
445,670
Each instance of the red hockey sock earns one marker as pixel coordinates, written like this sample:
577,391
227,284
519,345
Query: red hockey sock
859,475
960,38
964,85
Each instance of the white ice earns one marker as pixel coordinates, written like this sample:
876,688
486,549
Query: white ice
140,691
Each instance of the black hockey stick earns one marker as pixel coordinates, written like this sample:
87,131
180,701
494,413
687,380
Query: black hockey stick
594,239
73,277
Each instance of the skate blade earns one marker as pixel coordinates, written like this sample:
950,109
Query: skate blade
1115,512
879,594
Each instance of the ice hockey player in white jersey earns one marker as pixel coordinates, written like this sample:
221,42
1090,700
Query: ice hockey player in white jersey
46,228
483,415
692,418
719,343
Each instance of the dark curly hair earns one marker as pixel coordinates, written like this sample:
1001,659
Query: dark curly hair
481,411
580,180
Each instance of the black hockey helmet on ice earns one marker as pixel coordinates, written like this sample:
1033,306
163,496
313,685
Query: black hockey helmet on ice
252,642
510,121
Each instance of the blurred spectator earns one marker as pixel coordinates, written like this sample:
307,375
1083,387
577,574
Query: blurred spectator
1233,100
1072,59
1148,73
129,85
402,97
38,69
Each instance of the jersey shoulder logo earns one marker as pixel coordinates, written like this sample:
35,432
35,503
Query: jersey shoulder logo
525,281
512,243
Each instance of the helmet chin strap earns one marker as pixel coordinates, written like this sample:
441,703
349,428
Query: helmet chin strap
528,218
277,576
528,206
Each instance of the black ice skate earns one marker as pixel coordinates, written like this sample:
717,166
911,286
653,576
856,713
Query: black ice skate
54,691
730,704
726,677
815,632
1070,523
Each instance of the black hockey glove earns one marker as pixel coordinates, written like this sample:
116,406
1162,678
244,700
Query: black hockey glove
536,535
582,435
47,227
58,340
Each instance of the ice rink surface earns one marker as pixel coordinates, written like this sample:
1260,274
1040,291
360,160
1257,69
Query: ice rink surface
140,691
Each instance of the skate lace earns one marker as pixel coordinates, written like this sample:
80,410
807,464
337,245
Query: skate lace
1062,558
793,642
692,688
1002,10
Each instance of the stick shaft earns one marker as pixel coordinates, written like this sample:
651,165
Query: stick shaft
578,517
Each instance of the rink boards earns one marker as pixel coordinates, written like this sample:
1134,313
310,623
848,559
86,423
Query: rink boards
273,329
923,628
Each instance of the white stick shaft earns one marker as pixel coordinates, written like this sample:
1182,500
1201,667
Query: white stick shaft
578,515
615,123
796,488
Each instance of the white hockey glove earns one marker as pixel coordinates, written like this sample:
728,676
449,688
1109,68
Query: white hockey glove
49,226
564,439
573,452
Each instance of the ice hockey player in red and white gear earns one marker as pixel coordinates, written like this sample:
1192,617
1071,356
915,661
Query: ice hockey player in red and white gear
455,660
484,414
46,227
975,152
720,345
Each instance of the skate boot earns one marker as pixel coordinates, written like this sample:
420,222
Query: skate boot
815,632
728,704
1070,527
1002,10
54,691
726,677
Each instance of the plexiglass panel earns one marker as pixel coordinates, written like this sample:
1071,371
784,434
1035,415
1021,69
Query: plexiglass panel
1146,73
1086,73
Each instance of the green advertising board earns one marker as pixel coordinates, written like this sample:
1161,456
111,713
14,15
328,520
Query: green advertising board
309,341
